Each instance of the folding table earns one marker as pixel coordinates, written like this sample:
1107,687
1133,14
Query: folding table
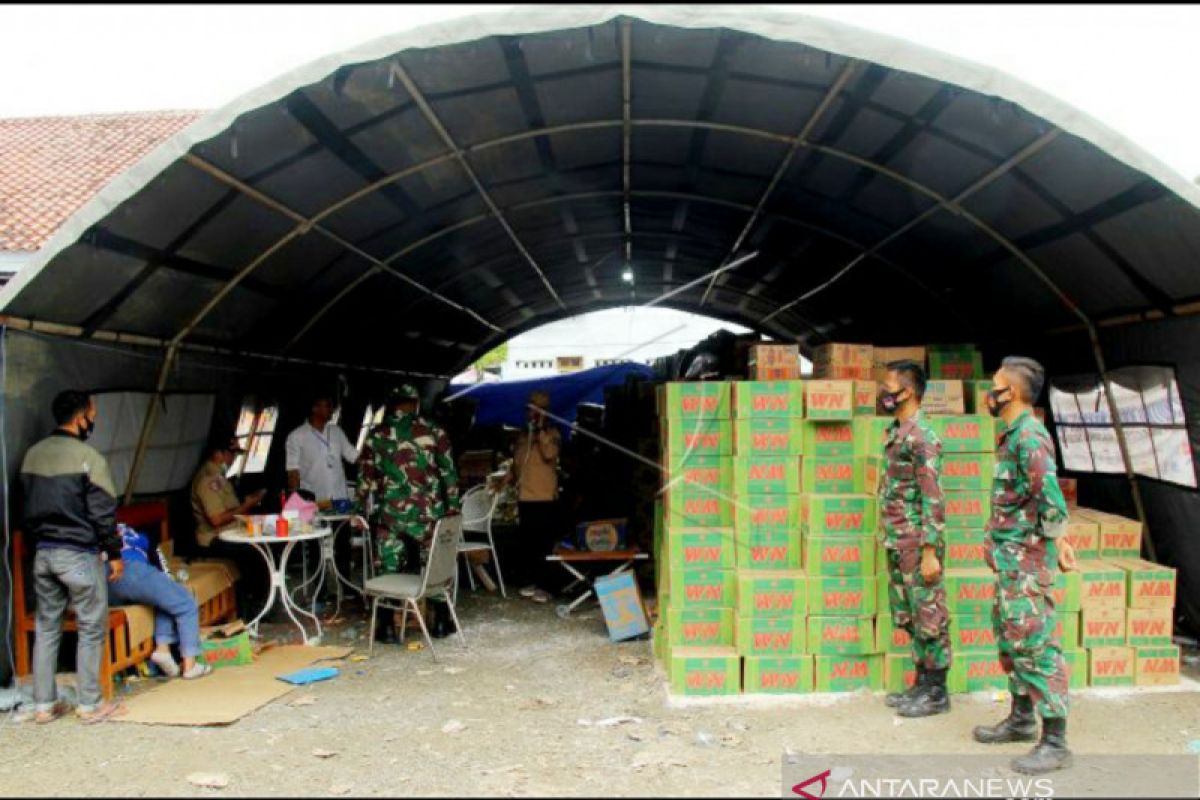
624,560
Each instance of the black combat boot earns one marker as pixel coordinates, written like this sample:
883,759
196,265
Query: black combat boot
1019,726
932,699
385,629
1051,752
896,699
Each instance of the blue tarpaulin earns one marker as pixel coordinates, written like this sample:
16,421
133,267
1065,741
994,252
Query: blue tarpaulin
505,403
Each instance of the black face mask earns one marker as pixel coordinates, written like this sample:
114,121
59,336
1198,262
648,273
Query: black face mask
87,429
890,401
995,404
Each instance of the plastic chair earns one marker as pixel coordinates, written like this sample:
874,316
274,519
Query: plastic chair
478,508
402,592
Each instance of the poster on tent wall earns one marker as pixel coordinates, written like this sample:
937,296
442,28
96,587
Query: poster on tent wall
175,446
1152,417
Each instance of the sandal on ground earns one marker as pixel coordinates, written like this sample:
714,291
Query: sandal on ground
60,708
166,663
104,711
541,597
528,591
197,670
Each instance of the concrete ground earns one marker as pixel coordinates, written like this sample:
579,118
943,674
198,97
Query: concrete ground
516,716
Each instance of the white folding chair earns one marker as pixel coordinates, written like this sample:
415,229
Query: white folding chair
478,508
402,592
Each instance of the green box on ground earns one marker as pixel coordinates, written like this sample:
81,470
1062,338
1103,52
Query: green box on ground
970,591
771,636
1149,627
889,638
838,515
832,475
1156,666
700,627
972,633
1066,629
694,400
1077,668
848,673
965,433
967,509
1102,627
838,555
768,436
710,511
778,674
223,647
967,472
779,512
705,671
842,635
1067,591
976,672
849,597
700,477
870,435
769,548
899,672
753,399
701,548
1111,666
829,439
703,588
965,548
771,593
766,475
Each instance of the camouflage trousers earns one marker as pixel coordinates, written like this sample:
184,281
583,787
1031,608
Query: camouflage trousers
919,607
1023,621
398,550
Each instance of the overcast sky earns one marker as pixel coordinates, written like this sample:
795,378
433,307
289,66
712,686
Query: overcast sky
1132,67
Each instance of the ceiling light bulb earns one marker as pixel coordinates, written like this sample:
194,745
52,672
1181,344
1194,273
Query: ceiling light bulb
627,276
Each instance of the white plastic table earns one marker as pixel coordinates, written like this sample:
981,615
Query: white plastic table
338,523
278,573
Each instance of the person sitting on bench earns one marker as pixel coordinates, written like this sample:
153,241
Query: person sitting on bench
176,616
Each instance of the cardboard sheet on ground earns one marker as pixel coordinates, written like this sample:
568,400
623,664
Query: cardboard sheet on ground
227,694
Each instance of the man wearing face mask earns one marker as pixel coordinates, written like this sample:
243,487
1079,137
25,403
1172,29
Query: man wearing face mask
408,466
912,517
1024,546
70,507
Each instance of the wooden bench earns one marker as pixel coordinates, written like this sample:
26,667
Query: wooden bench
119,652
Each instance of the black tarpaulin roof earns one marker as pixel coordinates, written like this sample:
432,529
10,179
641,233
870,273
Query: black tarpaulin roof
412,202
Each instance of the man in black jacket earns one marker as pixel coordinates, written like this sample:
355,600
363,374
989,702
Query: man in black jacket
70,510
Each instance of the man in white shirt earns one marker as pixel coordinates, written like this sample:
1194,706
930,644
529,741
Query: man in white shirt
315,455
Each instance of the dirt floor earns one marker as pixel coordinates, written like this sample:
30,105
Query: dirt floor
516,716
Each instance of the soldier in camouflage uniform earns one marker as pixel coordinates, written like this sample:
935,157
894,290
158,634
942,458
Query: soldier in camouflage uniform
912,519
407,464
1024,547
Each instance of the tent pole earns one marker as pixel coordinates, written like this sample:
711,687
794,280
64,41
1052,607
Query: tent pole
148,421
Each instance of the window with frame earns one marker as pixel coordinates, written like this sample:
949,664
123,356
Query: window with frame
255,432
1151,413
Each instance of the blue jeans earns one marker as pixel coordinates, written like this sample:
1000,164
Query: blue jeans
176,617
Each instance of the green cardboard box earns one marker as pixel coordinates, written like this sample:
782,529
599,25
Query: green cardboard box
965,433
768,436
866,398
703,588
832,475
1149,627
967,472
970,591
700,627
778,675
1067,591
658,641
1084,537
766,475
829,439
829,400
768,399
1102,627
1111,666
1148,585
684,439
694,400
838,515
1066,629
839,555
1102,585
967,509
841,635
972,633
700,476
701,548
1156,666
771,593
848,673
710,511
960,366
874,470
1077,668
899,673
976,672
705,671
888,638
771,636
779,512
226,645
769,548
848,597
965,548
870,435
975,396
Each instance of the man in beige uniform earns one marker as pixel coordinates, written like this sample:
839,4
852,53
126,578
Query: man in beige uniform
535,473
215,505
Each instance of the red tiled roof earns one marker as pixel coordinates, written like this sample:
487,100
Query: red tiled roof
50,166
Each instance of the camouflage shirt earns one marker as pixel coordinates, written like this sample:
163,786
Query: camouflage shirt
911,508
407,463
1026,498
